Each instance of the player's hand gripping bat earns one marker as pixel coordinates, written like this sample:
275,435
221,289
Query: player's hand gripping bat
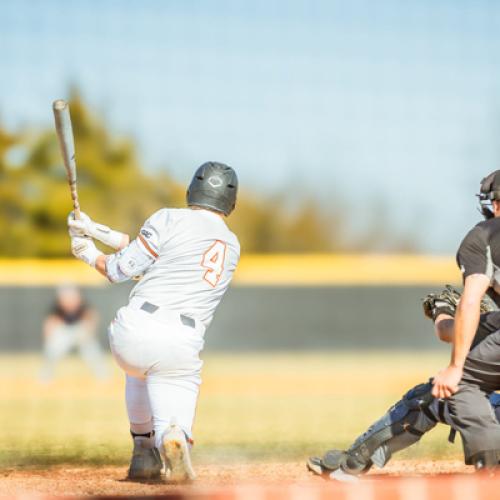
67,145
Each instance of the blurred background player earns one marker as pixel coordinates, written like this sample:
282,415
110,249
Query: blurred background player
71,325
186,259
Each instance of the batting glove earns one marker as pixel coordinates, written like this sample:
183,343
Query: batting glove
83,248
85,226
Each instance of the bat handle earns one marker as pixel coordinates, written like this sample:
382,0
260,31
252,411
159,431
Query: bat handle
76,203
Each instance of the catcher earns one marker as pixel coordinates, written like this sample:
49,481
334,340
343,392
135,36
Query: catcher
417,412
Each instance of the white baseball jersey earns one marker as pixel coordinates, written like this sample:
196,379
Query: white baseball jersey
187,258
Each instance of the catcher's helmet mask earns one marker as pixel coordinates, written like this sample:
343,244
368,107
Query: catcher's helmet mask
490,190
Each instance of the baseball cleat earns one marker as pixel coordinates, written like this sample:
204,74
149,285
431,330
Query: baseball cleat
175,452
331,461
146,461
316,466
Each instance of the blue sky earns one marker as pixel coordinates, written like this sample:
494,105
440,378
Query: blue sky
388,103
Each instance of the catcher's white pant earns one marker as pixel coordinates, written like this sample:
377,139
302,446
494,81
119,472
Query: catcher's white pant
160,356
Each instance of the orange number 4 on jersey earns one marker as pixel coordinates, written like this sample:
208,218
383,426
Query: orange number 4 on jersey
213,262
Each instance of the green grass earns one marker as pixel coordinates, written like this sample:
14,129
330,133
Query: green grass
265,407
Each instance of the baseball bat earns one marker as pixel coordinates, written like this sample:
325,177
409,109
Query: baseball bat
67,145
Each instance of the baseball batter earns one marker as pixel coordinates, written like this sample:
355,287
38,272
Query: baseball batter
185,259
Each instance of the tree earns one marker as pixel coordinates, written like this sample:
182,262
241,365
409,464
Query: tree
115,190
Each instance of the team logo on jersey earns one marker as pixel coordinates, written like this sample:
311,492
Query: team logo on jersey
146,234
215,181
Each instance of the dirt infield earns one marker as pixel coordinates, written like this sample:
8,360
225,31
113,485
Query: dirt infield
401,480
261,414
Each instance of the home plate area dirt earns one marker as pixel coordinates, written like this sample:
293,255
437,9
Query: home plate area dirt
405,479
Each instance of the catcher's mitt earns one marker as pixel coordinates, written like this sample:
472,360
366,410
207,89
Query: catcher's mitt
446,302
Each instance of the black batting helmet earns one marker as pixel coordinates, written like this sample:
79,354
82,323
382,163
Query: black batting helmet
214,186
490,190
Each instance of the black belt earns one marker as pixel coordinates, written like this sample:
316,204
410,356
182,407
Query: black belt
185,320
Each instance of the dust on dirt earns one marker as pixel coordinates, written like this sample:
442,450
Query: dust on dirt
112,480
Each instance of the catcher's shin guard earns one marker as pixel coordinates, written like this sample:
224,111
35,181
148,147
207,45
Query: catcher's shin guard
403,425
146,462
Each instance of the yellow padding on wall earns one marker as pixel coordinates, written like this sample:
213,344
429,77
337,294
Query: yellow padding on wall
348,270
34,272
266,270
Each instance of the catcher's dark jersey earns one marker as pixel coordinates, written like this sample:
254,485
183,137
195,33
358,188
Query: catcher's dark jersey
479,253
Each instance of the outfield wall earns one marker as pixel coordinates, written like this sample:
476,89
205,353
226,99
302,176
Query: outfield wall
277,302
257,317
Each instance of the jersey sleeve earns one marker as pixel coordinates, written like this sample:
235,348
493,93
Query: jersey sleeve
141,253
474,254
154,232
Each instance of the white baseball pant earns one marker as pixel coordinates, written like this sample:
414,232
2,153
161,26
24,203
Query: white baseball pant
160,356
